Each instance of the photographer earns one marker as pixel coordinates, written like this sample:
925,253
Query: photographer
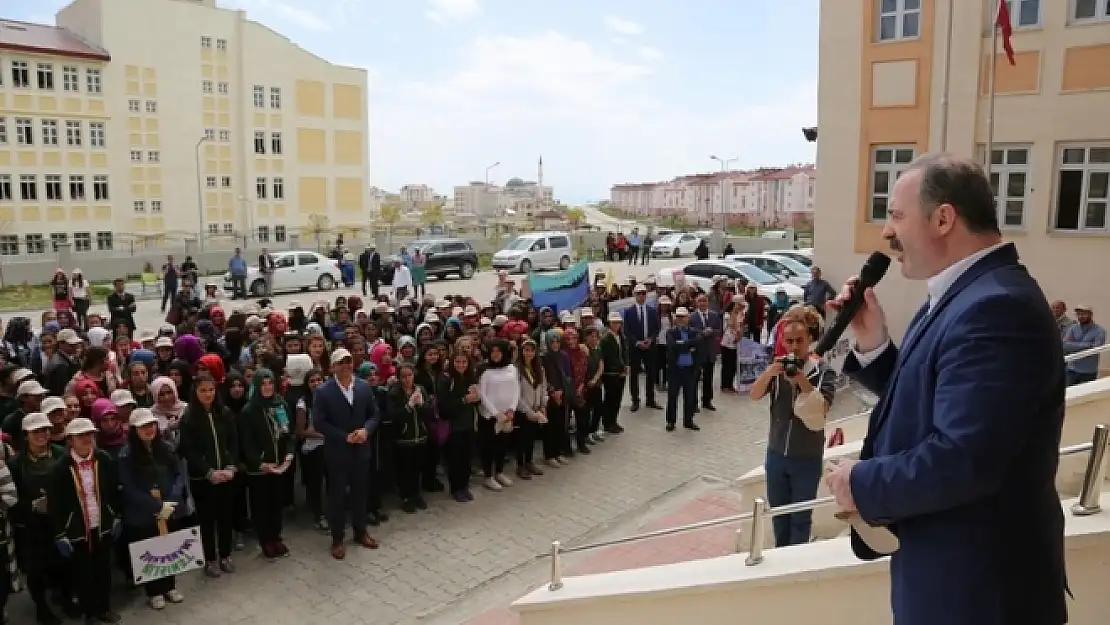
801,387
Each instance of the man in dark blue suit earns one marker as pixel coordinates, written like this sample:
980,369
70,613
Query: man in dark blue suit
710,325
961,451
344,411
641,331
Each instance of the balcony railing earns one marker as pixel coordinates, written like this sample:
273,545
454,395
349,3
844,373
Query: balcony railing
1088,504
1094,351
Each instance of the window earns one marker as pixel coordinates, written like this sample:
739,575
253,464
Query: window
210,182
136,156
221,44
224,88
209,134
260,188
82,241
259,142
1083,187
279,188
28,187
151,106
206,42
49,132
1023,13
206,86
156,206
887,163
229,228
21,76
3,130
100,187
73,133
275,97
225,135
5,187
139,206
259,97
56,239
275,143
213,228
133,106
225,182
46,76
1010,181
899,19
24,131
53,186
96,134
76,187
279,234
9,245
71,79
34,243
93,83
104,241
153,156
264,234
303,259
1090,10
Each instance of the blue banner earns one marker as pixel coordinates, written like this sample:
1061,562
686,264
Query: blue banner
563,290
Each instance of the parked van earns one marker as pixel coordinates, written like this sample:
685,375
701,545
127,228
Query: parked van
535,250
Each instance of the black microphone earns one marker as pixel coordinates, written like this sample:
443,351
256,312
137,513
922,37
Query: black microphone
869,275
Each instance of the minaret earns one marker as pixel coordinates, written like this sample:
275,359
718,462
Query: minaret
539,186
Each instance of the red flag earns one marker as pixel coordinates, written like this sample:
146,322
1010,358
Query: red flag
1002,22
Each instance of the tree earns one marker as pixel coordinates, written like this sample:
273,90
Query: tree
390,215
431,213
576,217
318,226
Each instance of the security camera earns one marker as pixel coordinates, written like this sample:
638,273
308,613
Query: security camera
810,134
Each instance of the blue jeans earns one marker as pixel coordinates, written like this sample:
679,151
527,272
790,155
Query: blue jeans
791,480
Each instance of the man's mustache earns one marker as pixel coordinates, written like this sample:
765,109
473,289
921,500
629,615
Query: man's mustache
895,244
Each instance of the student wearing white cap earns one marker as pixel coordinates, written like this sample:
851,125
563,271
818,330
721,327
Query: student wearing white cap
153,488
29,396
84,508
615,368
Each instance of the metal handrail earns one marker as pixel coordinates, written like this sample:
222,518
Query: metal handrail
1094,351
1088,504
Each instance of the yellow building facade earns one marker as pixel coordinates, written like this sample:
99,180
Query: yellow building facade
899,78
208,123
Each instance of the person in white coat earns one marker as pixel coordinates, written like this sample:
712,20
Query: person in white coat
498,394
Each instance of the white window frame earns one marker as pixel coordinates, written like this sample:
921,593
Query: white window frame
229,228
94,82
1085,199
258,94
259,141
276,145
209,182
151,106
153,156
225,136
894,169
280,233
73,133
82,241
21,75
9,245
24,131
221,44
104,241
223,88
3,130
1015,7
29,187
279,188
899,14
52,188
49,131
139,206
262,234
58,238
101,191
275,98
77,189
133,106
206,86
260,188
156,206
97,135
34,243
137,156
71,79
6,188
206,43
209,134
1102,12
44,76
225,182
213,228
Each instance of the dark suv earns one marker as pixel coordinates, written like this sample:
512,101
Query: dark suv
442,257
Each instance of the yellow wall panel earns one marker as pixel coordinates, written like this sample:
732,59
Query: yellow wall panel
206,70
152,124
260,119
7,213
277,165
5,158
157,224
209,119
52,158
225,152
27,158
206,55
348,194
228,214
131,71
227,199
132,87
3,101
152,140
150,74
348,147
279,210
211,198
346,101
225,166
224,119
139,224
48,103
71,105
208,103
154,173
56,214
211,214
135,139
275,120
210,151
99,159
312,195
155,190
1086,68
211,165
134,124
263,210
150,90
102,212
309,96
30,213
76,159
260,164
138,172
138,190
312,145
79,213
223,105
23,103
96,107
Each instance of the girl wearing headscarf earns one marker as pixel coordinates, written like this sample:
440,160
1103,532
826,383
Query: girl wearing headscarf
409,407
311,448
139,376
457,397
168,408
79,290
59,287
499,392
188,348
181,372
111,435
428,370
213,365
265,447
530,410
556,368
382,357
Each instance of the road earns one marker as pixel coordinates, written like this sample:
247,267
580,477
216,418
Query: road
431,562
595,217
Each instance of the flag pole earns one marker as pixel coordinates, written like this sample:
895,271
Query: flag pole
991,89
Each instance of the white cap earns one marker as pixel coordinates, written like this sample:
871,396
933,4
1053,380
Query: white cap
470,311
443,304
665,300
586,313
381,307
615,316
68,336
339,354
21,375
431,318
500,320
80,425
30,387
141,417
484,321
639,288
164,341
566,316
35,421
50,404
681,311
123,397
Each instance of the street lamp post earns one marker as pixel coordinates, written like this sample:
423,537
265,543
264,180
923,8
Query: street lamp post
200,195
485,189
724,168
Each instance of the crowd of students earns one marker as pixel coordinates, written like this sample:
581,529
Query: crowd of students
112,436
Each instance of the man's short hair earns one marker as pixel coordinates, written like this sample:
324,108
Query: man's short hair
960,182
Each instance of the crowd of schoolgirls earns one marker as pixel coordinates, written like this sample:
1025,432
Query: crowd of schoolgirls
112,436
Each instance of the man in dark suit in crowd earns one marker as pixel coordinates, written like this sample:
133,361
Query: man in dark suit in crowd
345,412
641,330
709,324
684,344
370,264
961,451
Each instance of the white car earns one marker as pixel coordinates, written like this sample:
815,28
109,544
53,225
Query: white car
296,270
675,245
803,256
782,266
701,272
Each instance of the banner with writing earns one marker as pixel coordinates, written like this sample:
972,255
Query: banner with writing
166,555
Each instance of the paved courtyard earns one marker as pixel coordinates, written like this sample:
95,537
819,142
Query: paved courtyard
432,562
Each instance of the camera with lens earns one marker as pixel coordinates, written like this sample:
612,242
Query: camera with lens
791,365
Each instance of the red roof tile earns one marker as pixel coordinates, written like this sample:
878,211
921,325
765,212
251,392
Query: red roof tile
44,39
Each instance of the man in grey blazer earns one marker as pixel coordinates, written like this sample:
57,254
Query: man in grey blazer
710,325
345,412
